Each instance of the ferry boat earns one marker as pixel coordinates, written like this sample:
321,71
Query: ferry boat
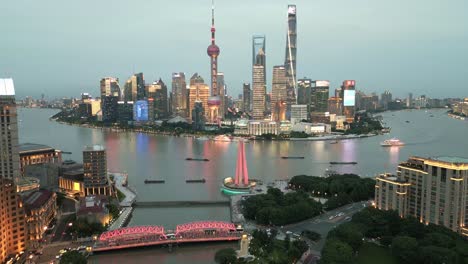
392,142
222,138
202,138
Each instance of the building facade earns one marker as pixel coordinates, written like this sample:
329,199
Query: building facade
41,209
179,94
247,98
95,171
290,57
259,92
299,113
198,92
349,99
31,154
157,93
434,190
278,93
109,86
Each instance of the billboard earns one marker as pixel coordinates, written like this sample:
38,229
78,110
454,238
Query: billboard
322,83
292,9
140,111
349,83
349,97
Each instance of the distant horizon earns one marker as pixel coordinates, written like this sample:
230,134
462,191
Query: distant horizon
421,48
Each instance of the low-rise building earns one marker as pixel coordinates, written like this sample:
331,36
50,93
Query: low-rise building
41,208
312,128
260,127
93,209
31,154
71,183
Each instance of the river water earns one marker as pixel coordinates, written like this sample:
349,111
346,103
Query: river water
145,156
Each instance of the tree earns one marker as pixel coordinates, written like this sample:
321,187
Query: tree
405,249
336,252
437,255
225,256
73,257
348,233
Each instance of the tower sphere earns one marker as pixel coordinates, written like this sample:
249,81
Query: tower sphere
213,50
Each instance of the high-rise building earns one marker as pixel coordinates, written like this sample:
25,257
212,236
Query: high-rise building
125,112
431,189
259,91
95,171
409,100
110,87
290,58
135,88
157,94
9,166
12,215
298,113
304,91
349,99
385,99
247,97
198,92
335,106
222,94
198,116
278,93
259,48
179,95
109,108
214,101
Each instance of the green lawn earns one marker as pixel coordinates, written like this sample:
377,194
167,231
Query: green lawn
371,253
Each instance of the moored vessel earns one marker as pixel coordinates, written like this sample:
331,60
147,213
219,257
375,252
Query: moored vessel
392,143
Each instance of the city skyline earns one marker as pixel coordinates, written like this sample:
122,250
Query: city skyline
368,39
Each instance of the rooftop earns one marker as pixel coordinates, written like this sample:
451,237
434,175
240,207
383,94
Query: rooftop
37,199
7,87
451,159
94,148
32,147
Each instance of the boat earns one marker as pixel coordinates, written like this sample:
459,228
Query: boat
197,159
147,181
222,138
392,142
292,157
334,142
202,138
343,162
196,180
407,121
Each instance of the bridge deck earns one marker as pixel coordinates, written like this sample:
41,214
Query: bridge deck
168,241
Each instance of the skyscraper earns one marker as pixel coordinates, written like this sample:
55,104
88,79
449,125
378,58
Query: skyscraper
247,96
110,87
304,89
278,93
213,51
135,88
290,58
259,47
198,92
349,99
179,94
222,94
259,91
409,100
95,171
12,215
157,92
385,99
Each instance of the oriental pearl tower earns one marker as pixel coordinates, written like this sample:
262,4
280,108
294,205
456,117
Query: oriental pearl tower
214,101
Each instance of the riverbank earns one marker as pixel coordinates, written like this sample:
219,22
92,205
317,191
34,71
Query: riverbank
459,117
211,136
126,204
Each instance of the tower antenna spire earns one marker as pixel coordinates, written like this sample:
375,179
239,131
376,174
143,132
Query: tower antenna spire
212,22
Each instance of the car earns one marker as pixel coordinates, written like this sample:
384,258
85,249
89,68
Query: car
341,214
348,218
288,232
331,217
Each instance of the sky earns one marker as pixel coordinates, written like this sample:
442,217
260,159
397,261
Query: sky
63,48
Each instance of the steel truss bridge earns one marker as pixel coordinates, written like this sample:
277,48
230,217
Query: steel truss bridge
142,236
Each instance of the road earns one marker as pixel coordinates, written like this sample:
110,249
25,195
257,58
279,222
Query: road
322,224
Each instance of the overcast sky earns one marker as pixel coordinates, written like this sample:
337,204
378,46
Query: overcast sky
62,48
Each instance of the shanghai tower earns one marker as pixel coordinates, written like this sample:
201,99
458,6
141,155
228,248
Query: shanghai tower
290,58
214,100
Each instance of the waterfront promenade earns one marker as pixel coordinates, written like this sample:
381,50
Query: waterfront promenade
126,203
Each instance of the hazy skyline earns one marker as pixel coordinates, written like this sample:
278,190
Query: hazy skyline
64,48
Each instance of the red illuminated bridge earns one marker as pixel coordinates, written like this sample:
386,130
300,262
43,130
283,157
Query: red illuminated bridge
142,236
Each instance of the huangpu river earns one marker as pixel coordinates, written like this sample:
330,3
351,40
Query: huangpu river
143,156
